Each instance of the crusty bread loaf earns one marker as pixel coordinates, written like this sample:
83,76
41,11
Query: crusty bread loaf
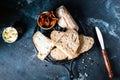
56,35
58,54
42,44
86,44
69,43
65,18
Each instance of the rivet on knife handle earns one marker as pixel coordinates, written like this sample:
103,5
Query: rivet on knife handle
106,60
107,63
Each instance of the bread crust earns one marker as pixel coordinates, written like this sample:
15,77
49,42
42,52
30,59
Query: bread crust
42,44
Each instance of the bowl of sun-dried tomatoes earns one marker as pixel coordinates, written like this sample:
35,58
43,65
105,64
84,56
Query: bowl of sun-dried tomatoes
47,20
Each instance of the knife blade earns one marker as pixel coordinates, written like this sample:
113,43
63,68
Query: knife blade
104,53
100,38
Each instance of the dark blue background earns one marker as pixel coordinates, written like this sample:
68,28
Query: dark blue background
18,61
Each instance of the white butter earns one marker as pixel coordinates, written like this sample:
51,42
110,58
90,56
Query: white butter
10,35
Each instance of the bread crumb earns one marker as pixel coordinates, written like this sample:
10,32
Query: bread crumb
83,60
89,58
86,75
91,63
85,67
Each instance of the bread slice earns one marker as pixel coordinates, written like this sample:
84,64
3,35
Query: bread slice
57,54
56,35
65,19
86,44
42,44
69,43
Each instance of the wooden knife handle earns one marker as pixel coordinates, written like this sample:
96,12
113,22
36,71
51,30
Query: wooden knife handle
107,63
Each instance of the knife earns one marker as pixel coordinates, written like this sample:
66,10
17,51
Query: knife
104,53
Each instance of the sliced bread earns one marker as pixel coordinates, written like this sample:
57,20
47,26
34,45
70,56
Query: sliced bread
69,43
42,44
56,35
86,44
57,54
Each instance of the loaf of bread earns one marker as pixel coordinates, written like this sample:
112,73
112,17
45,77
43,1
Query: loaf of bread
42,44
69,43
65,19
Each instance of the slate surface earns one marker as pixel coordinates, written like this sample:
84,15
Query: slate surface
18,61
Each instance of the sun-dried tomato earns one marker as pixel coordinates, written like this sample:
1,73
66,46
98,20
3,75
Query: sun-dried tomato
47,19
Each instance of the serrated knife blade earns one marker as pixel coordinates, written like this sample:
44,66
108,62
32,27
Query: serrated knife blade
104,53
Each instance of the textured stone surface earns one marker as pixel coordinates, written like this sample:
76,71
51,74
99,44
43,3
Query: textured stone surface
18,61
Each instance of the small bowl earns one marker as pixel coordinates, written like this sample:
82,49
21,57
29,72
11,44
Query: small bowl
10,34
46,20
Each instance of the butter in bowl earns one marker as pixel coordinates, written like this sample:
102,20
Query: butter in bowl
14,32
10,34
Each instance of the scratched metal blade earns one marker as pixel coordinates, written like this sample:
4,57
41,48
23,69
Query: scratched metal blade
100,37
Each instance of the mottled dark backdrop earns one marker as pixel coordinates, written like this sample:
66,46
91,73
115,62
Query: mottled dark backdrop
18,61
